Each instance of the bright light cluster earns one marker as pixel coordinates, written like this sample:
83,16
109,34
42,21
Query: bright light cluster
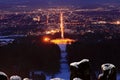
62,41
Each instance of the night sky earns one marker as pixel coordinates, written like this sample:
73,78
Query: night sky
46,3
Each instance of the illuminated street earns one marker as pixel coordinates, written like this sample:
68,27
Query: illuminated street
60,39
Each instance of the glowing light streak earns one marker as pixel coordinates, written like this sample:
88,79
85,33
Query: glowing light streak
51,32
62,41
61,25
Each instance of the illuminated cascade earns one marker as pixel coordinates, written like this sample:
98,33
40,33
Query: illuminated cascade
61,25
62,40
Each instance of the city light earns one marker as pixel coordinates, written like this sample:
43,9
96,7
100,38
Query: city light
118,22
61,25
62,41
52,31
46,39
36,18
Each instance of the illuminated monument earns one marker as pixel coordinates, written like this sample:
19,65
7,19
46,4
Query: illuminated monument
62,40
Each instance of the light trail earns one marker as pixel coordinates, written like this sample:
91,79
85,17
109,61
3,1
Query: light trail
61,25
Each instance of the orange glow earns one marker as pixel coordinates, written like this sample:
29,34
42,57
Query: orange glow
52,31
36,18
118,22
46,39
62,41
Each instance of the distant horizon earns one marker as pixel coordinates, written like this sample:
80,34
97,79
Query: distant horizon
8,4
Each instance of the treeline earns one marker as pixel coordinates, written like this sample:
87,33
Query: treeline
27,54
107,51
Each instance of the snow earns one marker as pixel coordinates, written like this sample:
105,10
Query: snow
83,61
62,47
64,68
15,77
27,79
75,64
57,79
6,40
118,76
77,79
12,36
64,73
2,73
107,66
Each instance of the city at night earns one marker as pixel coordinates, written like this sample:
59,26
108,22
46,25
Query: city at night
59,39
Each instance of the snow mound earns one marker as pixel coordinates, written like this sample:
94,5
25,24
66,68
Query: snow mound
15,77
57,79
27,79
75,64
107,66
77,79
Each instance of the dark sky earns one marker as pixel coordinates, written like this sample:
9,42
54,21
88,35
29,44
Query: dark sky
57,2
60,1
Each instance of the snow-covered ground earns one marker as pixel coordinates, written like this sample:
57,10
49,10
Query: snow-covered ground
5,41
118,76
64,73
64,70
64,67
11,36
